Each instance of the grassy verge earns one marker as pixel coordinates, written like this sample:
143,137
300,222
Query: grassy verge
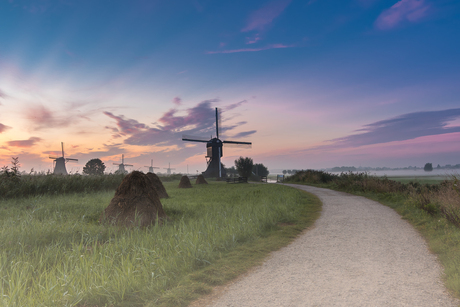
53,251
442,237
434,210
420,179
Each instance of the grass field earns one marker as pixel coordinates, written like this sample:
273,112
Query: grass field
53,251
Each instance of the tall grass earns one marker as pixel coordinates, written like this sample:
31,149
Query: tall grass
12,186
53,251
442,198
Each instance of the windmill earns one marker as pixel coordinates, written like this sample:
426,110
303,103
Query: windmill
214,152
151,167
121,166
168,169
59,163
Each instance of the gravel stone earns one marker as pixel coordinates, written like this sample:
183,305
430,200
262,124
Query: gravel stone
359,253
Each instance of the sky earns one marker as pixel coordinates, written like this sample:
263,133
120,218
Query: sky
311,83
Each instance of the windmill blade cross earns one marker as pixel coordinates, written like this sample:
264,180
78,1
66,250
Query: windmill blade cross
235,142
69,159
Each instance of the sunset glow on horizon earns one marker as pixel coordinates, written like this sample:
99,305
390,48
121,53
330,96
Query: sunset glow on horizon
310,84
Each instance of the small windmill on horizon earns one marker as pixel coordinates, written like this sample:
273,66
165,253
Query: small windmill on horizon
59,163
121,166
168,169
151,167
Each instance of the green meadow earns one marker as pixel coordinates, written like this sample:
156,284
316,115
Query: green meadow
54,252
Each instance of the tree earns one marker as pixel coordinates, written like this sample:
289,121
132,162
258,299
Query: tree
94,167
244,166
284,172
428,167
260,170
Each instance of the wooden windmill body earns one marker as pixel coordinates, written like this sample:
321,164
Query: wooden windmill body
59,163
214,149
121,166
151,167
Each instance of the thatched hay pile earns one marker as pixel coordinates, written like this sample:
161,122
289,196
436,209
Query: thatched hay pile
136,203
200,180
185,182
158,185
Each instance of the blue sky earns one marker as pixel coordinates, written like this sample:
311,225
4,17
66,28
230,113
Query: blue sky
311,83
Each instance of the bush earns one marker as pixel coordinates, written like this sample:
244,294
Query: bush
443,198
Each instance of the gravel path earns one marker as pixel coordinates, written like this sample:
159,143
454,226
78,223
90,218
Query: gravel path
359,253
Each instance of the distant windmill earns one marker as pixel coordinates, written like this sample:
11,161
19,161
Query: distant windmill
59,163
151,167
214,151
168,169
121,166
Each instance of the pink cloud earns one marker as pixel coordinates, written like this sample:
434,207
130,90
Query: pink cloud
42,117
265,15
253,40
25,143
3,128
2,94
235,105
127,126
274,46
404,10
199,120
177,101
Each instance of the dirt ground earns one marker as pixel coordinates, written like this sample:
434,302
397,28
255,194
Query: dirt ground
359,253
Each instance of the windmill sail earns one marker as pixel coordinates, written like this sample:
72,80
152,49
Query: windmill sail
121,166
59,162
214,151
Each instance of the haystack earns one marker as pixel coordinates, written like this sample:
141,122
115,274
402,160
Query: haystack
185,182
158,185
200,180
136,203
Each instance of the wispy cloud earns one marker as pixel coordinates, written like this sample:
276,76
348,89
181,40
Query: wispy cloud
235,105
244,134
127,126
25,143
199,120
3,95
405,127
253,40
274,46
3,128
42,117
404,10
177,101
259,19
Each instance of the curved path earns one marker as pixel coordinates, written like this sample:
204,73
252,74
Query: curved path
359,253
